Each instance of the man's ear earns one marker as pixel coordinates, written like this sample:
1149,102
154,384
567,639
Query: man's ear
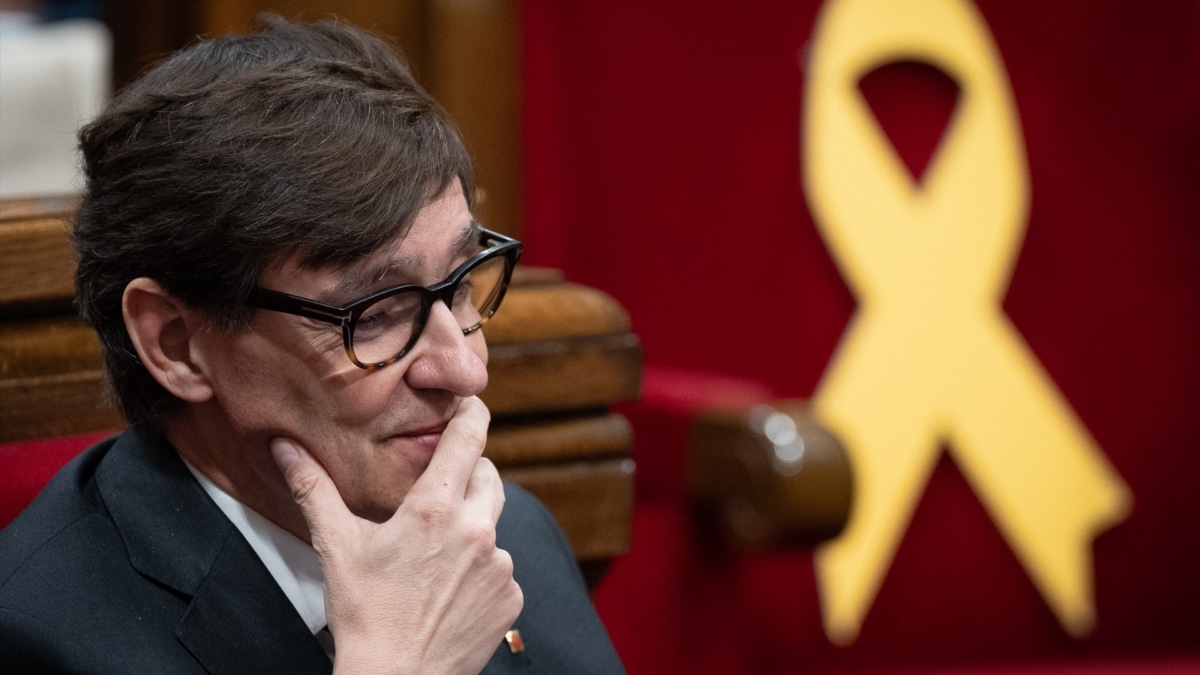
162,329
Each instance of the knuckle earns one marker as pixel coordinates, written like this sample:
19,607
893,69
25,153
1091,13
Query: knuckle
480,538
504,563
474,436
303,484
485,471
518,598
434,513
465,437
510,594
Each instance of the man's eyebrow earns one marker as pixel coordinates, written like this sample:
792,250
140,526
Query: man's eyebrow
358,281
469,235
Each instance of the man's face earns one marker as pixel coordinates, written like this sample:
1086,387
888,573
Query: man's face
374,431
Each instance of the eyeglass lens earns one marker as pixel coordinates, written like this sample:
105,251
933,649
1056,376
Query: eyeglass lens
388,326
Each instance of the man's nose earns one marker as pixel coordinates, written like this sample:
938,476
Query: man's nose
444,358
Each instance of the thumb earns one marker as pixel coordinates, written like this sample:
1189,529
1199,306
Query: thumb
312,490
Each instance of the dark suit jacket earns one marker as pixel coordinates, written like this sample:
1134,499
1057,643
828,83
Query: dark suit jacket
123,564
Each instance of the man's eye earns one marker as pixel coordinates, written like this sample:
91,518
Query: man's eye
387,317
465,287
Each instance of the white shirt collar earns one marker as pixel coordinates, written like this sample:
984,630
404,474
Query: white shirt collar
292,563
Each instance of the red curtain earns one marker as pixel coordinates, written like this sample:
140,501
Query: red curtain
662,161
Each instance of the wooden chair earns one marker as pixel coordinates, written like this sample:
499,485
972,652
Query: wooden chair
560,355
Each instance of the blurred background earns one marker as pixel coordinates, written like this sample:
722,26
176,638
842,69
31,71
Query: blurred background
653,150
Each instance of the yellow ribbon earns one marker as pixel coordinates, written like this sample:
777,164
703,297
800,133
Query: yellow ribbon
930,356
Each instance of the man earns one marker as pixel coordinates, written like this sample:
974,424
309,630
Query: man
277,251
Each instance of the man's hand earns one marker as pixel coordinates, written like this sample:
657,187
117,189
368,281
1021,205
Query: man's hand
427,591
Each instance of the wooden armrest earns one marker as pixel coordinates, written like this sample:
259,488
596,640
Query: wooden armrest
769,475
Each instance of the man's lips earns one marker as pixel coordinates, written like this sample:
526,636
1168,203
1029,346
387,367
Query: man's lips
425,438
433,429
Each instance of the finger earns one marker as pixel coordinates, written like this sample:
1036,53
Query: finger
485,492
459,449
313,491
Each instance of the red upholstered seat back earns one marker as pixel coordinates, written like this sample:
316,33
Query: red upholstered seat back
26,467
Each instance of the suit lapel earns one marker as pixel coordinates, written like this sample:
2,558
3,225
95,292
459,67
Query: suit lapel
239,623
238,619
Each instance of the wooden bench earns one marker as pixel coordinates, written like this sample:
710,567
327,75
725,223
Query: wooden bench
560,355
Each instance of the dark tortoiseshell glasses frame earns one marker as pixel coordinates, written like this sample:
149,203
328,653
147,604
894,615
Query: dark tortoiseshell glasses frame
347,316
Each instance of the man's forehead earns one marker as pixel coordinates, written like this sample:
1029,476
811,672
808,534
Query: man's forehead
395,261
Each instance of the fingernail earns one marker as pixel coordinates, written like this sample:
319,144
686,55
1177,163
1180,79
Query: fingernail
285,452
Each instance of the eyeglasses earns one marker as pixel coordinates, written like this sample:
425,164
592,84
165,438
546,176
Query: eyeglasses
381,328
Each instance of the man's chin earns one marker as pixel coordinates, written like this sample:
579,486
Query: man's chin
376,511
380,502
